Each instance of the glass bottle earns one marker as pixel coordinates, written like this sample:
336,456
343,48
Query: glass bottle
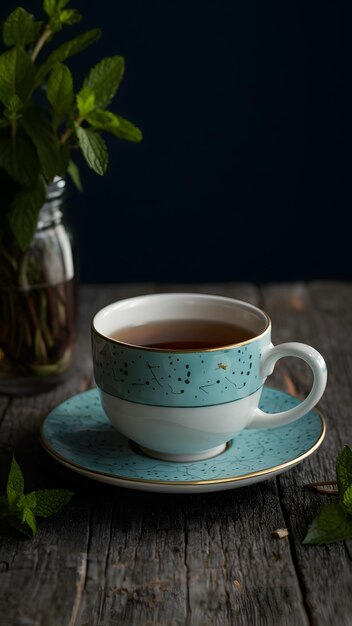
38,304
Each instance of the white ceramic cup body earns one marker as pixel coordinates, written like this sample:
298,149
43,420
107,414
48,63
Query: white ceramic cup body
186,405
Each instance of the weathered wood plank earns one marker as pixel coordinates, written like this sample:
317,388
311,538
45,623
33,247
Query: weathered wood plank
320,315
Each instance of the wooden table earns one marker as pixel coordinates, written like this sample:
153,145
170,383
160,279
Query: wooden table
120,557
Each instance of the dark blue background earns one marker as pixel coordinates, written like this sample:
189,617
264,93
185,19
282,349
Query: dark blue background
244,170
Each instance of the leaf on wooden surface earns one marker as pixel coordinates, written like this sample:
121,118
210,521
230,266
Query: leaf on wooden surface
332,524
344,469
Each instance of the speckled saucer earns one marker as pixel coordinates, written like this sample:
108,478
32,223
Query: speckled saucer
78,434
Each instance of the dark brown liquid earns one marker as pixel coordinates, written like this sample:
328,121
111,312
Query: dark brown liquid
183,334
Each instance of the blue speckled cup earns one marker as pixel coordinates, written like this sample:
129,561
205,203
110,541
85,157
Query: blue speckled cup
186,405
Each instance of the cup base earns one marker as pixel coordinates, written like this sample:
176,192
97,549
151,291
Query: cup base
184,458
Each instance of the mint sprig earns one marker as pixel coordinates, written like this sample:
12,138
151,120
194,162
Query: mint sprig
37,137
334,522
20,510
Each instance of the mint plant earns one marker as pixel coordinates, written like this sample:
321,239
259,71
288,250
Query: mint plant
45,116
334,522
20,510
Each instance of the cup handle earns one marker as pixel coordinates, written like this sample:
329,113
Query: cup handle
270,355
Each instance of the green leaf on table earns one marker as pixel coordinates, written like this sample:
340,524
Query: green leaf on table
59,92
94,149
67,49
20,510
126,130
30,500
85,101
42,135
74,174
15,482
344,469
17,74
347,500
50,501
104,79
28,520
332,524
24,211
19,28
20,504
22,517
19,159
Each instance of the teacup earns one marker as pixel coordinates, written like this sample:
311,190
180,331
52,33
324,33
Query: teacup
186,405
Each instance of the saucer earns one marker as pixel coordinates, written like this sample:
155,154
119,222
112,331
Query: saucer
79,435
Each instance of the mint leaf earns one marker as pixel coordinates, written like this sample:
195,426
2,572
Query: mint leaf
12,497
44,139
126,130
331,524
115,124
103,120
19,28
19,510
74,174
16,74
15,482
24,211
62,3
104,79
13,106
67,49
85,101
21,513
28,519
30,500
59,92
344,469
70,16
347,499
20,504
50,501
59,18
94,150
19,159
49,6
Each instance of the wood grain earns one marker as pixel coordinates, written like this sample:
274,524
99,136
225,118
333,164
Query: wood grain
119,557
